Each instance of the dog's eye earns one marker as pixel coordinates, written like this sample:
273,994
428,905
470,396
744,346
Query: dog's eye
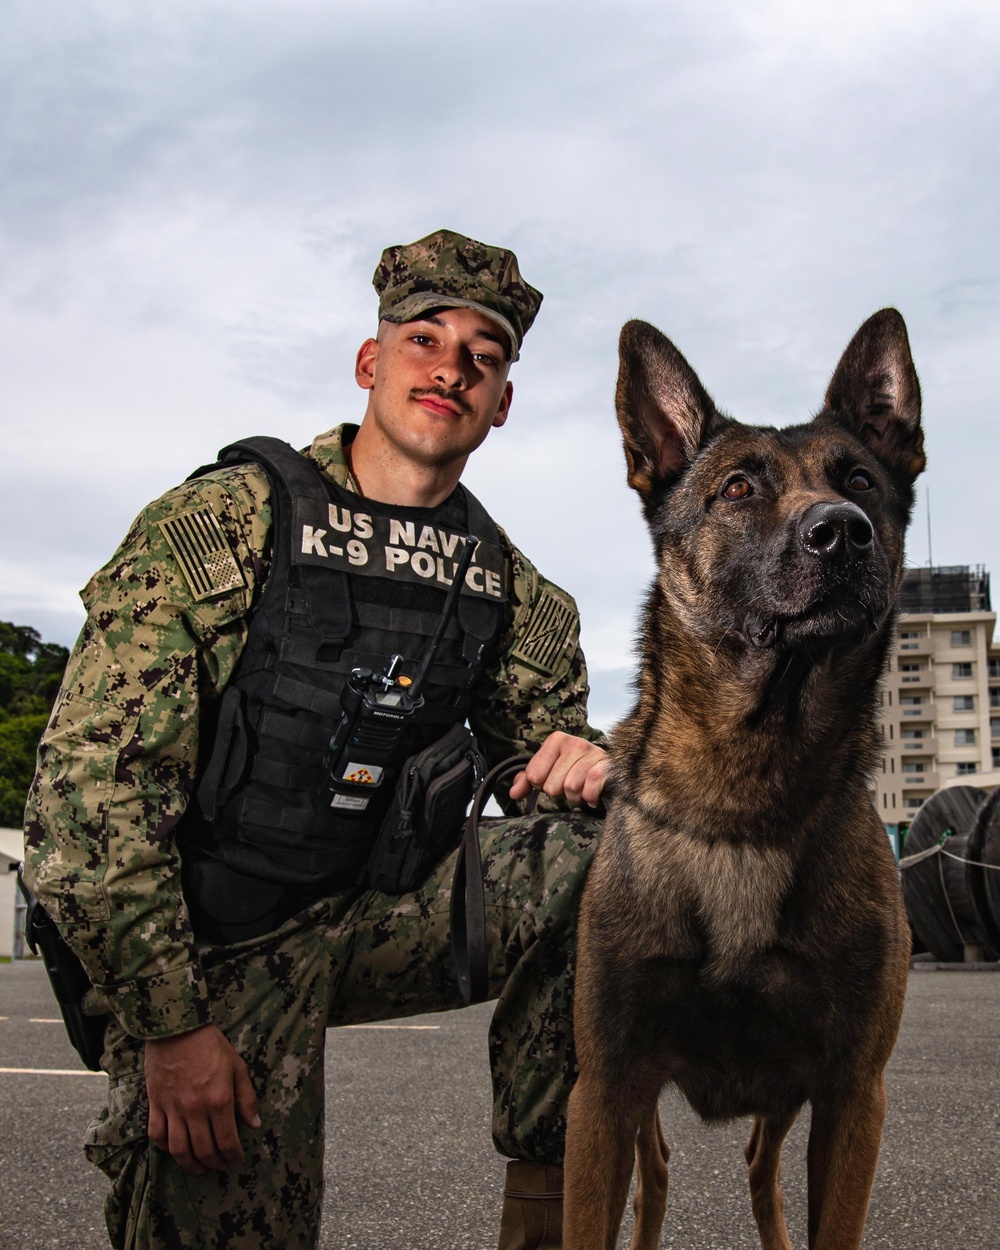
859,480
737,488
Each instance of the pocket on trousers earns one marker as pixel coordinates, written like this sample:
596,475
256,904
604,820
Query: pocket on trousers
120,1128
117,1142
263,1205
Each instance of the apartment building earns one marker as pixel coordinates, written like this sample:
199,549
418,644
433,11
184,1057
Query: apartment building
940,713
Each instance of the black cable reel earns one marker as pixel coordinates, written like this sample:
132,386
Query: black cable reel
951,875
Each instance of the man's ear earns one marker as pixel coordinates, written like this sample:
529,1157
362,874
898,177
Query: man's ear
364,364
503,408
664,412
874,392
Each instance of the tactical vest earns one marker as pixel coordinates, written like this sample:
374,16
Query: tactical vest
352,582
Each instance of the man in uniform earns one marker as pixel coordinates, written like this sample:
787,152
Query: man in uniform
222,913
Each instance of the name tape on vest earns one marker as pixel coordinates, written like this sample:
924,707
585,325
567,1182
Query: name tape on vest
376,545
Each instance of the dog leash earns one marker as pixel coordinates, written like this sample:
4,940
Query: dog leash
468,896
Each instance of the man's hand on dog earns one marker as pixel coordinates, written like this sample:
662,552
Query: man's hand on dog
196,1084
565,766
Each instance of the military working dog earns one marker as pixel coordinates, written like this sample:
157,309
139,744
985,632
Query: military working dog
741,934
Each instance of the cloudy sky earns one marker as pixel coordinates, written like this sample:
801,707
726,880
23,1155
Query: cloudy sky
194,194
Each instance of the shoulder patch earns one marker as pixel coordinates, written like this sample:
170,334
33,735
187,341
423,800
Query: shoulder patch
541,642
200,548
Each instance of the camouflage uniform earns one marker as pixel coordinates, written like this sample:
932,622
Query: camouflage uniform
116,769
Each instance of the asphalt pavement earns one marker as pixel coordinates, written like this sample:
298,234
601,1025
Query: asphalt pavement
409,1163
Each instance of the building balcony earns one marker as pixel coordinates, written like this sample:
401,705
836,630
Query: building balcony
915,646
920,746
916,679
930,779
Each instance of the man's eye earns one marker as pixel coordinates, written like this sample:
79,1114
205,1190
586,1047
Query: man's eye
737,488
484,358
860,480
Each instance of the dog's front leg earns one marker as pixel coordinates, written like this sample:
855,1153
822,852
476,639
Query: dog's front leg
763,1154
600,1148
843,1154
650,1202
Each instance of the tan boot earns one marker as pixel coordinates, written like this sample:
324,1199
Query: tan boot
532,1208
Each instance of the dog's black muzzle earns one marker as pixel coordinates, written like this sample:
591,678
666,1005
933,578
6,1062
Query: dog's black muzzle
829,590
836,531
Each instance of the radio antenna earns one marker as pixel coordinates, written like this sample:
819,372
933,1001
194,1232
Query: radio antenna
446,613
930,550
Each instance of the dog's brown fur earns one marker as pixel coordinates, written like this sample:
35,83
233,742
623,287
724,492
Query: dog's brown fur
742,935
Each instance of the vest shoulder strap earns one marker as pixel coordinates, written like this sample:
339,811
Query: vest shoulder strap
477,617
291,476
296,474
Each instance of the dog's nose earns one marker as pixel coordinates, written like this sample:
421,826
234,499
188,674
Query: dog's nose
836,531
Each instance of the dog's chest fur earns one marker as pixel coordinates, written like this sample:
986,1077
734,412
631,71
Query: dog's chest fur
739,891
720,900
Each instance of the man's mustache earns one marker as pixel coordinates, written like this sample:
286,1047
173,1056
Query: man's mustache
451,397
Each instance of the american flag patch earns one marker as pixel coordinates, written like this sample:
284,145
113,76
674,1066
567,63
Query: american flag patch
200,548
542,640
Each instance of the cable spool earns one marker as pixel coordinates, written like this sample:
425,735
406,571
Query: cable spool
984,882
945,896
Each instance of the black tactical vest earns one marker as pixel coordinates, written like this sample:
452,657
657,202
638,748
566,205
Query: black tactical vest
352,582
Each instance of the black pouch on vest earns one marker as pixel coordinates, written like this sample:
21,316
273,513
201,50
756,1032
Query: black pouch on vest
425,819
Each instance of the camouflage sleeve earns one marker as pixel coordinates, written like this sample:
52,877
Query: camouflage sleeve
165,627
538,683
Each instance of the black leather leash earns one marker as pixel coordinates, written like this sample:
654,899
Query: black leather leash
468,898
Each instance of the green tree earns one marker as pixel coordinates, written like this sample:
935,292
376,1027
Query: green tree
18,742
30,673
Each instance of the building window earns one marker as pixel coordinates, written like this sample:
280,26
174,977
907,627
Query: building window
995,726
995,698
908,666
961,637
964,769
996,757
965,737
911,767
963,703
911,734
995,668
911,700
960,672
908,633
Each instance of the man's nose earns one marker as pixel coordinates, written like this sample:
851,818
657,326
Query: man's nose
450,369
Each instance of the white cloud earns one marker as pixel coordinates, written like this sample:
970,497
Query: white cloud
196,194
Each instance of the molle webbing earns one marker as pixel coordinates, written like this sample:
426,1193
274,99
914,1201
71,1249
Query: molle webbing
351,583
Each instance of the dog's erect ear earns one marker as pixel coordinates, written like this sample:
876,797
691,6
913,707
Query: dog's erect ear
875,393
664,411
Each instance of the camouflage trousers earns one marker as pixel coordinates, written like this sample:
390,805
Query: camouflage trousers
354,958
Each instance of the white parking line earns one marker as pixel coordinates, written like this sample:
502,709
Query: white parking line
48,1072
44,1020
416,1028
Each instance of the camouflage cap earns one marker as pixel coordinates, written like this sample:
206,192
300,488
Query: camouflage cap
449,270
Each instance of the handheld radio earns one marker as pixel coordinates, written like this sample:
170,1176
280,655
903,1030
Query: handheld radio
377,710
